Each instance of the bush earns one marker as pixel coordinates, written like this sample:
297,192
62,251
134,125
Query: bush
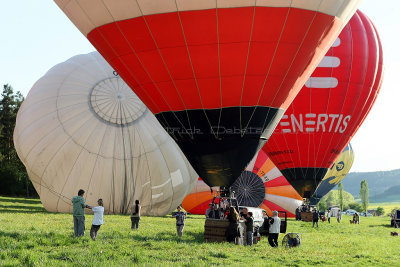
14,181
10,180
355,206
380,211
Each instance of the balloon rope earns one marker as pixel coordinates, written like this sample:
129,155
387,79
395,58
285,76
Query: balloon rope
55,193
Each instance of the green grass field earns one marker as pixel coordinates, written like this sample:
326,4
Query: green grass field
31,236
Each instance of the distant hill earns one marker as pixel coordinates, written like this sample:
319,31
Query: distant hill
384,186
390,195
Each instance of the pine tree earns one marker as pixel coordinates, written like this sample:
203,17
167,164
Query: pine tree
13,177
341,199
364,195
9,105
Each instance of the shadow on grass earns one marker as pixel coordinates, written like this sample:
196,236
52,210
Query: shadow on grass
382,225
26,210
20,200
14,235
37,236
20,207
194,237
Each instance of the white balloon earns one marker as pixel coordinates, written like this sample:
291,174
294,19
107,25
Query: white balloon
82,127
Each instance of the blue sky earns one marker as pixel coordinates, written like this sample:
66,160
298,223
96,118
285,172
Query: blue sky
36,35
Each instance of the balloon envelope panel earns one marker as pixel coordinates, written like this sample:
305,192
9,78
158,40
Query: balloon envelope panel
217,74
335,174
198,200
82,127
330,108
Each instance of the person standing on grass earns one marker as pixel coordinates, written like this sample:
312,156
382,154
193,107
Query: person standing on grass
135,217
180,220
249,228
97,219
298,216
315,218
79,205
329,216
339,216
274,229
233,229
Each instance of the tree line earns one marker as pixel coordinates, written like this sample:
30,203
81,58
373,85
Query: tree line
14,180
345,200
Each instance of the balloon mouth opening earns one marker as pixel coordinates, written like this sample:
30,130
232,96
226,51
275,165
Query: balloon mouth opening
113,102
249,189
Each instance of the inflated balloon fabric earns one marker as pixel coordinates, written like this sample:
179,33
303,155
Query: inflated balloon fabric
279,194
82,127
335,174
330,108
218,74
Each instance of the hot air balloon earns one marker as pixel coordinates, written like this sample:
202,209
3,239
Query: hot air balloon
198,200
335,174
81,126
329,109
218,75
260,185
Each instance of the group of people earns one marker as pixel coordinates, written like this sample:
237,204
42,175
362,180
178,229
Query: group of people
79,205
232,232
337,214
316,215
247,216
356,218
229,213
303,208
218,211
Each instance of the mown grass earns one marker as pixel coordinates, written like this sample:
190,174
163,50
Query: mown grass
31,236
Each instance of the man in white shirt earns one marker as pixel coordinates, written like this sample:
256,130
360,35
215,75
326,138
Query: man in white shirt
274,229
97,219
